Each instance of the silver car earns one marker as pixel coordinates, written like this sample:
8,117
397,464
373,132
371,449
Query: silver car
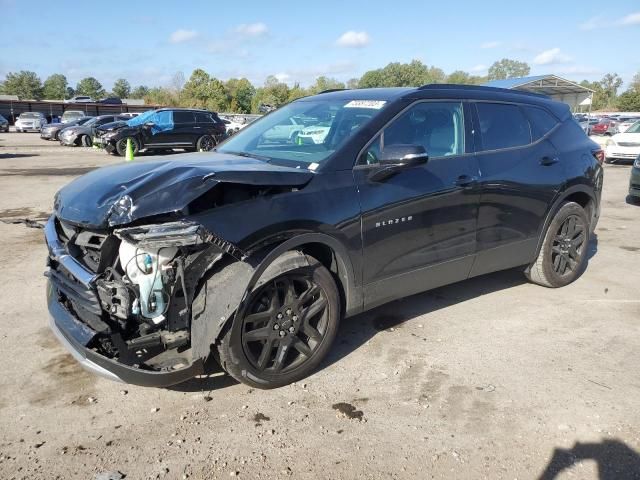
30,121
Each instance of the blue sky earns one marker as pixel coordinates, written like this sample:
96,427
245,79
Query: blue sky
148,41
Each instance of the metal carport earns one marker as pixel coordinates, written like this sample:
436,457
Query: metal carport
558,88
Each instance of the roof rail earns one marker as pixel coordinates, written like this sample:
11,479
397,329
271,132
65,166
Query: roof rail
477,88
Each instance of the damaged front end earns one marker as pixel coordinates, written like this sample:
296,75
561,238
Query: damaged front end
121,300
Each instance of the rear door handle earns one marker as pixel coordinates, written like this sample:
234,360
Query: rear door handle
546,161
466,180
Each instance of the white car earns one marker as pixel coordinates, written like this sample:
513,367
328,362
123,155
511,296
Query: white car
72,116
33,121
625,122
80,99
624,146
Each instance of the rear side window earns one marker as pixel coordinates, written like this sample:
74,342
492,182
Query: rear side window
182,117
541,121
502,125
203,118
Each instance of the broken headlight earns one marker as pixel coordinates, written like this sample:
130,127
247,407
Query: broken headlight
121,211
173,234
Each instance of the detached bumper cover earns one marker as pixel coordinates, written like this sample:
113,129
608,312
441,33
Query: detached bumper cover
77,336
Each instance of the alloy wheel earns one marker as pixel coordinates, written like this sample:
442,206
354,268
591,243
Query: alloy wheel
568,245
286,322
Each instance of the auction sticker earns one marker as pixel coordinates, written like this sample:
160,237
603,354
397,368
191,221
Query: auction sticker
376,104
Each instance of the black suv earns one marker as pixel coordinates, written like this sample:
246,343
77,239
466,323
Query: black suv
165,128
254,252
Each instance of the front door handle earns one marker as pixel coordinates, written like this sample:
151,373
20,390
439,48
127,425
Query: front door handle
546,161
466,180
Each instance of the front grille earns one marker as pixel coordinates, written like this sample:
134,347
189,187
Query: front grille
96,250
629,144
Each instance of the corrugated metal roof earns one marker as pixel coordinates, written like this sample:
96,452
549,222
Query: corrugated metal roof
544,84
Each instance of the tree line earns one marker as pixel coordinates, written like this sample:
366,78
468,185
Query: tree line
203,90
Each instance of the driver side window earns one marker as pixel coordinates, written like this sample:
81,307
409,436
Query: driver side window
437,126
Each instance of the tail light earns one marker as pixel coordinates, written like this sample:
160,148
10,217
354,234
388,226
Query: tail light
599,156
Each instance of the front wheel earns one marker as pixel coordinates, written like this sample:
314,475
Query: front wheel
563,255
121,146
86,141
288,328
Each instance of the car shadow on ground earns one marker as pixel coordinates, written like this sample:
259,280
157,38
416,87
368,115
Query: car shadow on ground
18,155
614,459
358,330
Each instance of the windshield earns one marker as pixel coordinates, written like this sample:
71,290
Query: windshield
29,115
303,133
635,128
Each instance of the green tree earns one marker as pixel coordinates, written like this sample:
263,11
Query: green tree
204,91
121,88
459,77
161,96
635,83
140,91
610,84
26,85
599,100
296,92
240,93
396,74
508,68
55,87
353,83
324,83
91,87
69,92
273,93
629,101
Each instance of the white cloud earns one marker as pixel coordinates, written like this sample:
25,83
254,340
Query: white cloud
592,24
252,29
282,77
352,39
631,19
552,56
478,68
181,36
492,44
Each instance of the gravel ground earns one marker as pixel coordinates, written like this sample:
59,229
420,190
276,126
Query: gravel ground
488,378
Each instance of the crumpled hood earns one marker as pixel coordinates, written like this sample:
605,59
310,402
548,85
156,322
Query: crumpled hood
163,186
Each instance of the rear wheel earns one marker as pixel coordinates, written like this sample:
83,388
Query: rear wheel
205,143
563,255
288,328
121,146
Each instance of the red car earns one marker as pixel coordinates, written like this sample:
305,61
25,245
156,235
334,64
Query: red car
605,127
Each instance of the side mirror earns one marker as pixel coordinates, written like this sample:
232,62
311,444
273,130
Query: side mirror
395,158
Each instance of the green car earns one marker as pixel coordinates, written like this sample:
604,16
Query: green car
634,181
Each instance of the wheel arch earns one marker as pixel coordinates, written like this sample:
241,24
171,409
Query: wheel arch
583,195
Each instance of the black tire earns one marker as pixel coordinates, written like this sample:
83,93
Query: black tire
206,143
86,141
280,339
121,146
563,255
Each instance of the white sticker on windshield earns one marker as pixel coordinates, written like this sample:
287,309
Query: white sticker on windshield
377,104
313,166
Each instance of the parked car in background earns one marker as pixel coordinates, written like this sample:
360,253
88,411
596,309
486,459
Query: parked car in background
624,146
252,254
83,134
129,114
111,101
72,115
4,124
605,126
30,121
625,122
166,128
52,131
80,99
634,181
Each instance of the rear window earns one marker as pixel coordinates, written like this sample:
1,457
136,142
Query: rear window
182,117
502,125
541,121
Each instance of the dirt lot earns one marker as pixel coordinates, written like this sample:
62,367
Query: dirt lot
489,378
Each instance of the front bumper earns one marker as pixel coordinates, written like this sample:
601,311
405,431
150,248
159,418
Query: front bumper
621,153
47,134
69,141
76,336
